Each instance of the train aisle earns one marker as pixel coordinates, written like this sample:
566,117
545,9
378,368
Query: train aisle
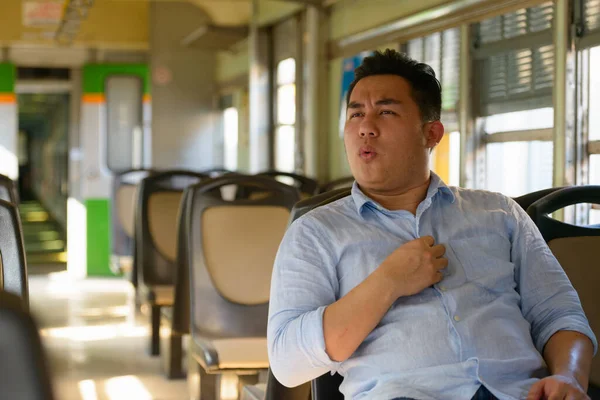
95,342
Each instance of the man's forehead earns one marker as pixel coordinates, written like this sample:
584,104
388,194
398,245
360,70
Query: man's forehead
381,86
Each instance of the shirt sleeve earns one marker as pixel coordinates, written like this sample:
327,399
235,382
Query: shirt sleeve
548,300
304,283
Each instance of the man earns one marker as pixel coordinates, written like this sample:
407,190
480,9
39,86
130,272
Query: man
413,289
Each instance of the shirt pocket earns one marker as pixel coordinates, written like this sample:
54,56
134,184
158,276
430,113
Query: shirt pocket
486,262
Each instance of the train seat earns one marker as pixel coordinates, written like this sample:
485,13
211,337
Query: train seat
13,277
575,249
23,371
231,250
125,199
156,241
8,190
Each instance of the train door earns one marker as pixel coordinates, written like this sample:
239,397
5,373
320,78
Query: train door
115,137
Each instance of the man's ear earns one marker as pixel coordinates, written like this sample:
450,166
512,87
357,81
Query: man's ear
434,132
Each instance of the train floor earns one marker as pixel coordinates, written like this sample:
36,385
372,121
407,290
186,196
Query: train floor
96,341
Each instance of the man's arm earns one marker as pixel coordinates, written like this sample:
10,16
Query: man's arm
569,357
559,327
569,354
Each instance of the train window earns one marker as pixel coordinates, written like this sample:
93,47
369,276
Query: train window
230,128
441,51
124,122
594,117
514,70
516,168
285,127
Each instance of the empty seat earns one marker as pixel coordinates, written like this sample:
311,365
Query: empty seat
12,253
124,205
176,319
575,249
308,187
231,250
526,200
8,190
215,172
156,241
341,183
23,370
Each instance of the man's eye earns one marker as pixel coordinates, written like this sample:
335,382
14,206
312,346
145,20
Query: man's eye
388,112
355,115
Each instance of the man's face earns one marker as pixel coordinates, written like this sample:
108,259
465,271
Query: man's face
387,143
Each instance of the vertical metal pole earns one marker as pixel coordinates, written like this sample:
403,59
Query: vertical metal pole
564,101
465,118
260,95
316,100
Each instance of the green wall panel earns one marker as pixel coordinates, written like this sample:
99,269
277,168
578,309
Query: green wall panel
98,237
94,75
7,78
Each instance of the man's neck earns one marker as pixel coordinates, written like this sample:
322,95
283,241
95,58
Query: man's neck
401,198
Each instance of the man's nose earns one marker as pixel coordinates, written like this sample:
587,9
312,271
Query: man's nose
368,131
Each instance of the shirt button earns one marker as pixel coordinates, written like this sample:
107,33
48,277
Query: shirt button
442,288
456,318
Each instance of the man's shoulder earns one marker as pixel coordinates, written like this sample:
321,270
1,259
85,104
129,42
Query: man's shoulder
480,197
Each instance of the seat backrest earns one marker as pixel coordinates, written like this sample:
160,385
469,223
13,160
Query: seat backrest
156,224
180,322
12,253
8,190
215,172
124,205
575,249
231,251
340,183
526,200
308,187
23,370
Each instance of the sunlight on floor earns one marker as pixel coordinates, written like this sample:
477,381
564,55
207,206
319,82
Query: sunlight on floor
126,388
117,388
95,332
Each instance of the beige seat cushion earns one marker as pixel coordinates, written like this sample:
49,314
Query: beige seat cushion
126,206
578,257
244,353
163,214
240,244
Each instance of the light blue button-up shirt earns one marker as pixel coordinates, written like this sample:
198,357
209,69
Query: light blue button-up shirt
486,323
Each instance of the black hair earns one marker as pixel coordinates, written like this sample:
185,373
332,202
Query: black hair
426,89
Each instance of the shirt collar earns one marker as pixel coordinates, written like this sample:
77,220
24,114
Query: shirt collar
435,185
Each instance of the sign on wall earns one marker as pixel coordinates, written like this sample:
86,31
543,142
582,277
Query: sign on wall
42,13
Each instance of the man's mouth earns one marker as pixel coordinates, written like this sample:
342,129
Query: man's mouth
367,153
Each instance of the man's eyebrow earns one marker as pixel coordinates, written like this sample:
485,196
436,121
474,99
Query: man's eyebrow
354,104
387,101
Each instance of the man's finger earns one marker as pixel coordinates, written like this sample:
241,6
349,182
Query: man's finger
429,241
440,263
559,393
438,250
536,391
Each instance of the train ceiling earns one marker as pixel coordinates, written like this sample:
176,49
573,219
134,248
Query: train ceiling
124,24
